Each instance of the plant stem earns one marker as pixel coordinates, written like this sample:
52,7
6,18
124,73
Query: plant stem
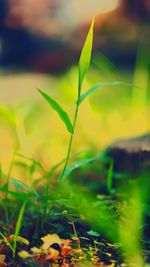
70,141
76,236
7,187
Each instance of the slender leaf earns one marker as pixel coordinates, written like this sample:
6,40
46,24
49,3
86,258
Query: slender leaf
8,114
23,187
97,86
21,196
4,206
85,57
7,242
76,165
110,176
39,165
62,114
20,239
93,233
1,173
18,225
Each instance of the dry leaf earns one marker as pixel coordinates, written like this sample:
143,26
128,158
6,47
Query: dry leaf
18,238
2,260
50,239
53,254
66,248
36,250
24,254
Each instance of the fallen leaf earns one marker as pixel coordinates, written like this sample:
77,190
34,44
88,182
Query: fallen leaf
35,250
53,254
24,254
66,249
49,240
18,238
2,260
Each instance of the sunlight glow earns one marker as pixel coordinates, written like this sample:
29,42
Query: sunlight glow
77,13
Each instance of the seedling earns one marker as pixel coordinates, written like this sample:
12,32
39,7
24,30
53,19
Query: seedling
83,66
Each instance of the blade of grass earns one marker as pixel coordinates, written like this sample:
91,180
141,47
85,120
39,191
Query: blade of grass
85,57
62,114
4,206
98,86
17,195
37,163
130,233
1,173
75,165
110,177
21,186
7,242
7,186
18,226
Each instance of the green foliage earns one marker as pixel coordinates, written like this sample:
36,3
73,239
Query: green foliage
24,188
95,87
33,161
110,176
62,114
76,165
93,233
85,57
84,162
96,213
83,68
18,225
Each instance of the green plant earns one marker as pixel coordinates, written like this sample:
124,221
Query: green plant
18,226
83,67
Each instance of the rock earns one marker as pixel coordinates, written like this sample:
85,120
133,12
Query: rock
132,155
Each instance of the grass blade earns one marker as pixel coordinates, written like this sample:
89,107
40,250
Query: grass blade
35,162
85,57
18,226
7,242
24,188
110,177
62,114
95,87
74,166
79,163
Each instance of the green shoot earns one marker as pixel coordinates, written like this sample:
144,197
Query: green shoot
85,57
18,226
95,87
110,177
84,63
83,67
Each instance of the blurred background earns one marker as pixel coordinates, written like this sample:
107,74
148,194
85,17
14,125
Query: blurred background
40,44
47,36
